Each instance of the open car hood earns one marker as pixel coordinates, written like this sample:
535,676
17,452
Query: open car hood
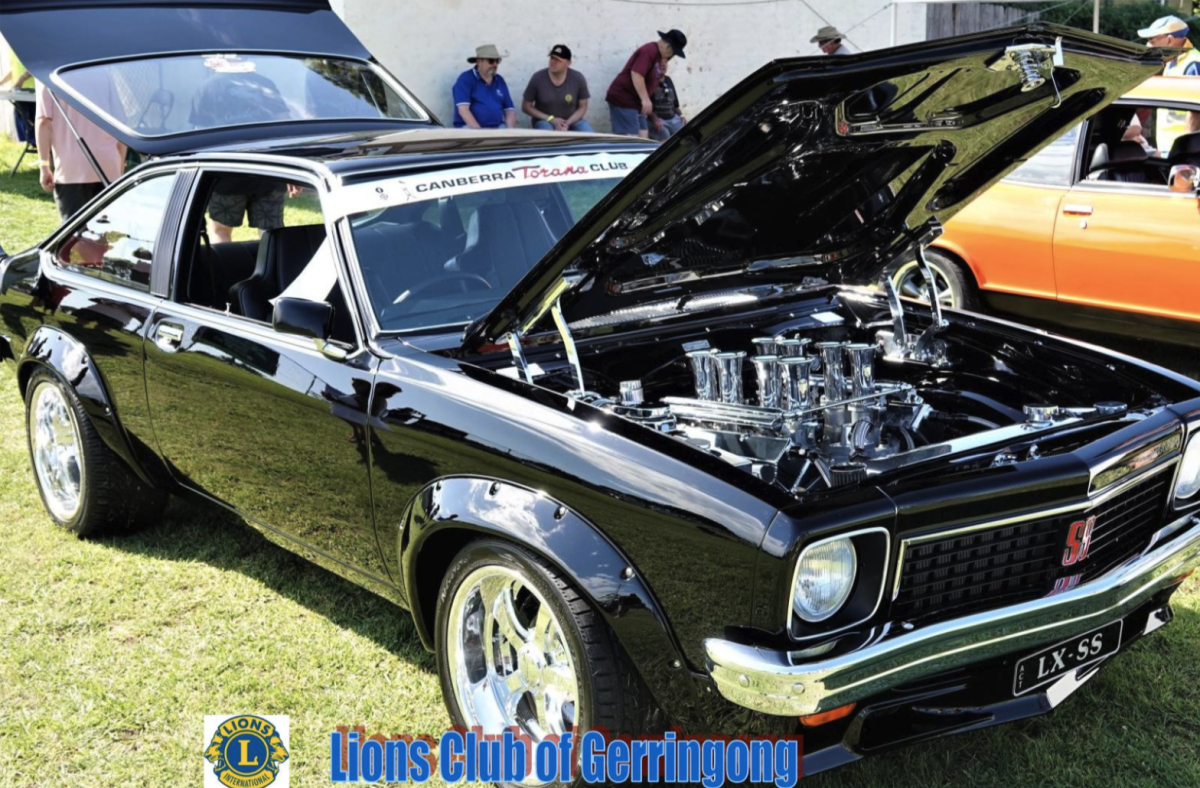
135,67
823,168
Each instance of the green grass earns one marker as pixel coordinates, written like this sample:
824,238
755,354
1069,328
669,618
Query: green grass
113,650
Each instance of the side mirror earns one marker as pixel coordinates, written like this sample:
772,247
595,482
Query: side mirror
311,319
1183,179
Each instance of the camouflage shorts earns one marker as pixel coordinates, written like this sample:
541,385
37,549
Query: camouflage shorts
265,209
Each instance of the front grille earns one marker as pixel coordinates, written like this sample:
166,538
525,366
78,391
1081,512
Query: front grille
985,569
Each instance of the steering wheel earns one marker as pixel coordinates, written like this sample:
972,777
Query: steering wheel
463,278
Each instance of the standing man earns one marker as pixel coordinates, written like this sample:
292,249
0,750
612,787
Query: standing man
830,41
1171,32
481,97
65,169
667,119
629,94
557,97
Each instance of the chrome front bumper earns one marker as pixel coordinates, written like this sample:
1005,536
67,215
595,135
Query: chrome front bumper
771,682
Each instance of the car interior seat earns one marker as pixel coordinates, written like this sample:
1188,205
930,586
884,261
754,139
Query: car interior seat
282,255
504,240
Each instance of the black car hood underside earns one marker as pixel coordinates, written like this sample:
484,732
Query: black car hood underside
822,168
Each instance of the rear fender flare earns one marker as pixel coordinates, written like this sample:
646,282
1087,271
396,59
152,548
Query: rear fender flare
69,360
450,512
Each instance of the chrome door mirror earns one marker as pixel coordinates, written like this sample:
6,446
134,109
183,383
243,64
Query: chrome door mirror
1184,178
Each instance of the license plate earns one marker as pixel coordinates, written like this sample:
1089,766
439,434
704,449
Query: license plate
1060,659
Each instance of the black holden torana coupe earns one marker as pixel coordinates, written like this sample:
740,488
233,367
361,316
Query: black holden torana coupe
611,420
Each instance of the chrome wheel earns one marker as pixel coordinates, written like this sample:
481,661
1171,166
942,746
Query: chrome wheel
508,657
56,448
909,281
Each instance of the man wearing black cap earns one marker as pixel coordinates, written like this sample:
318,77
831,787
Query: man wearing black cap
557,97
629,94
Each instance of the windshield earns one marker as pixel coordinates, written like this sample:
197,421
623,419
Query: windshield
447,246
155,97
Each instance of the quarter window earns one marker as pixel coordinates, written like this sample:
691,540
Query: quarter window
116,243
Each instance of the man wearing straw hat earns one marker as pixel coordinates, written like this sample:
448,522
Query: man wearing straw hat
830,41
481,97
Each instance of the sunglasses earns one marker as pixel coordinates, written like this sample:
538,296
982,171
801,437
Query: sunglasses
495,61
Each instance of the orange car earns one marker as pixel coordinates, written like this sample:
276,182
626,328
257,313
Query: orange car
1088,232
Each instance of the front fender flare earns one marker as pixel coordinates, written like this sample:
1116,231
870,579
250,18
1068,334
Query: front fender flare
451,511
69,359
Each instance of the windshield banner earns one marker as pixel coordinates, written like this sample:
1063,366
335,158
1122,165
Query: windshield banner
386,192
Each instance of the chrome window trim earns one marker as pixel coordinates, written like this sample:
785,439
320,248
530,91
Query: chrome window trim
411,100
1088,503
887,547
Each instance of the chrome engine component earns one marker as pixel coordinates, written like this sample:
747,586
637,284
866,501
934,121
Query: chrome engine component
631,393
807,431
729,376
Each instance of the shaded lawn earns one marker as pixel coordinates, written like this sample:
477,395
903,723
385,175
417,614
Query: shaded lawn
113,650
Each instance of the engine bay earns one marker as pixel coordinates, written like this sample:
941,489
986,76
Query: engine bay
848,389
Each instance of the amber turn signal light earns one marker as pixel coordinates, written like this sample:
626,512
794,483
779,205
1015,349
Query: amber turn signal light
813,720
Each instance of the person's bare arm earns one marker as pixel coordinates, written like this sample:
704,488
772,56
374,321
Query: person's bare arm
639,85
45,148
510,118
532,111
579,114
468,117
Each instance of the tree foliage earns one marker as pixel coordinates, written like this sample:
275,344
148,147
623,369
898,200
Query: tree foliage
1119,20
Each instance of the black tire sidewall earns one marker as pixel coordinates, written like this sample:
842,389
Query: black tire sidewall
496,552
77,524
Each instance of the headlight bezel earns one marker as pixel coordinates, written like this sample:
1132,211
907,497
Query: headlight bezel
1192,442
873,550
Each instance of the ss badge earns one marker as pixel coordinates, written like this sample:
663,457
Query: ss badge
1079,541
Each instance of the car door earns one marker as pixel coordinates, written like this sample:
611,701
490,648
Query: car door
257,420
1007,234
100,285
1132,246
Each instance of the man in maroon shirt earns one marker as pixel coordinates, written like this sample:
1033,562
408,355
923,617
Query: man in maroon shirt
629,94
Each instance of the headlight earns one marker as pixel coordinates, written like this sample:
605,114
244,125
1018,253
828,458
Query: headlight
1188,482
824,577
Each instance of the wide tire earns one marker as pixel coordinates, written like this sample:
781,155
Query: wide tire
85,488
610,694
955,282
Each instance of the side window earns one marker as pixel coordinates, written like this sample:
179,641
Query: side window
116,243
1051,166
254,238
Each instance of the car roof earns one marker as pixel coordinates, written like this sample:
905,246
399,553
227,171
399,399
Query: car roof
1167,89
360,153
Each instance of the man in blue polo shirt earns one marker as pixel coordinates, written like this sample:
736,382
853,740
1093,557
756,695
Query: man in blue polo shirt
481,98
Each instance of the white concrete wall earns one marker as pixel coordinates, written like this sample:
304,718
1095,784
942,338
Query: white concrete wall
426,42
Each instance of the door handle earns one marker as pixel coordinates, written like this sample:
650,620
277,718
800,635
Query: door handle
168,336
1077,210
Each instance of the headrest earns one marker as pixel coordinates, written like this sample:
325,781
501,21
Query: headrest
288,250
1185,149
1127,152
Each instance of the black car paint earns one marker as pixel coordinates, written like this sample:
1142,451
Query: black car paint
819,167
633,517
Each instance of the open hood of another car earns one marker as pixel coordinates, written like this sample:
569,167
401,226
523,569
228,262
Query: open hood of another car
142,69
824,168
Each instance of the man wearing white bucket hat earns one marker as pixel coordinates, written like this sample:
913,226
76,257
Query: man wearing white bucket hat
481,97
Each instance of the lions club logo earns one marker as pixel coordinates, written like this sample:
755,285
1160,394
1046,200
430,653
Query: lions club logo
246,751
